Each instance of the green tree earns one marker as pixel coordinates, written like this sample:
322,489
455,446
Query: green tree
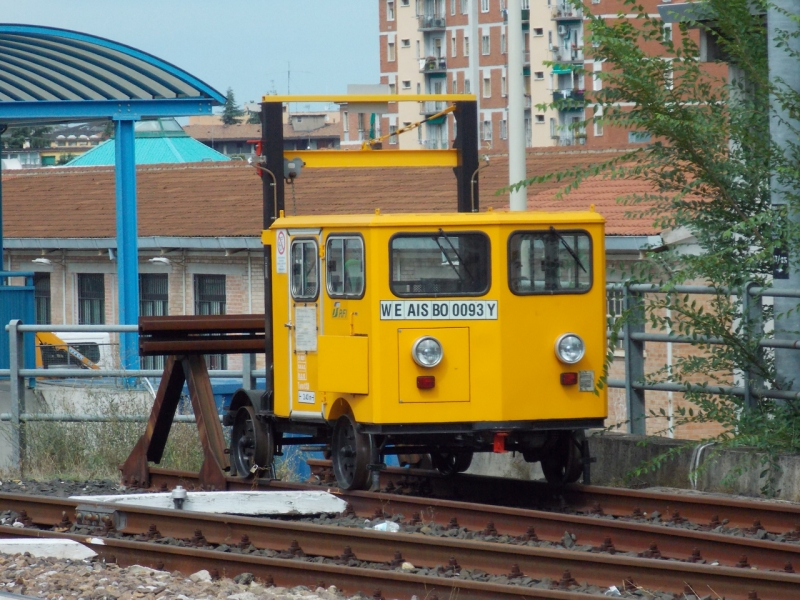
231,112
709,162
15,137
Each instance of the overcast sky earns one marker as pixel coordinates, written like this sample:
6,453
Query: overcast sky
247,46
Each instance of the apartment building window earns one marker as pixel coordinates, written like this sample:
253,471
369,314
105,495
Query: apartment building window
405,43
41,295
503,89
597,82
452,7
390,52
667,32
405,2
486,44
487,131
419,8
419,89
553,128
526,4
538,75
392,88
466,45
550,37
487,87
91,299
598,123
360,124
540,119
455,86
390,10
668,79
484,5
392,134
453,46
210,299
464,7
538,32
503,129
418,53
406,84
503,47
467,87
153,302
638,137
528,133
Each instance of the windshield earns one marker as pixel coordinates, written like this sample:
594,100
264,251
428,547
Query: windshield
440,264
550,262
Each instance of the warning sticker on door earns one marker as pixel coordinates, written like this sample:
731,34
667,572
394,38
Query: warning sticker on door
281,250
305,328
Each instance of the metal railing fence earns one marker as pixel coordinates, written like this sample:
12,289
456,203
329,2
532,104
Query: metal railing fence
633,337
18,372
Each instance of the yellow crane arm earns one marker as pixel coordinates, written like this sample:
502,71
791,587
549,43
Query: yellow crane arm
45,338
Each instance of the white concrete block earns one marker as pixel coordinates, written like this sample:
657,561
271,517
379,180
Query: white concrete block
46,548
234,503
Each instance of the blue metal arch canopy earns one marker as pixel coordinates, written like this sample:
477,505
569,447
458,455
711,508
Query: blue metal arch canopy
57,74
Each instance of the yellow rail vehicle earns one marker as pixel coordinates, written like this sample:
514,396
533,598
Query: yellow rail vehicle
430,334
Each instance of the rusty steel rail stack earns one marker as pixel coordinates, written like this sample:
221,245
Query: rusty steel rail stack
184,340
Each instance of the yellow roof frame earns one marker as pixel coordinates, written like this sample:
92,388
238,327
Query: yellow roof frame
352,99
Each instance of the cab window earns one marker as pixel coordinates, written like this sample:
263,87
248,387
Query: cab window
550,262
439,264
305,275
344,259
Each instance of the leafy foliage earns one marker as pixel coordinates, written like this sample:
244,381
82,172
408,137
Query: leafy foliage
15,137
709,167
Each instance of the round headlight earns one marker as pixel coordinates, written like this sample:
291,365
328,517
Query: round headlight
570,348
427,352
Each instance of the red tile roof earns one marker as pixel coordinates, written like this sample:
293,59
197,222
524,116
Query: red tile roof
252,131
224,199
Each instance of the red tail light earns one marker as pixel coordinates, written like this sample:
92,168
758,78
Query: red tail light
569,378
426,382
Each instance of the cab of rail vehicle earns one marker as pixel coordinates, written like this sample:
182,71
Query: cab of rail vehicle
438,335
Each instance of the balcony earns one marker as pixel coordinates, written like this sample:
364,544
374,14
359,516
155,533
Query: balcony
526,58
566,12
430,23
434,144
575,96
431,107
432,65
527,101
573,53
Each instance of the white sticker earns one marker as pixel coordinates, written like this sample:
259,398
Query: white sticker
586,381
305,328
436,310
281,250
306,397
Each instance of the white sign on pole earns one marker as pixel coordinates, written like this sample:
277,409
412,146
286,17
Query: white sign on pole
281,250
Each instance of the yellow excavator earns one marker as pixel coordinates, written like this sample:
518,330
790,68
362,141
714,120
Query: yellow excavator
54,352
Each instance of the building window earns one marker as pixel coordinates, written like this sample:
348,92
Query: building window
597,82
209,299
487,87
503,47
41,294
91,299
487,131
668,78
345,119
638,137
419,89
405,2
392,88
406,84
153,302
598,124
390,10
503,129
392,134
484,5
452,7
466,45
528,133
417,49
553,128
540,119
616,305
526,4
550,37
467,87
503,89
538,32
455,86
390,53
486,45
405,43
667,32
538,75
464,7
453,46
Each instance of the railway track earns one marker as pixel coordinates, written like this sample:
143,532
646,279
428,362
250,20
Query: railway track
592,561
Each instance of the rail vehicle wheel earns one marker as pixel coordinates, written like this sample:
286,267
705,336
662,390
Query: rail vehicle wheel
450,463
252,443
351,454
564,463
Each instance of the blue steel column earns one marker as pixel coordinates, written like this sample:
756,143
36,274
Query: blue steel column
127,240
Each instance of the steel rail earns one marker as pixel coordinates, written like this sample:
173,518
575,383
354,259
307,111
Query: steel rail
626,536
292,572
430,551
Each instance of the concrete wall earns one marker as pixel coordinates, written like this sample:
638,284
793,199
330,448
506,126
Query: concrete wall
733,471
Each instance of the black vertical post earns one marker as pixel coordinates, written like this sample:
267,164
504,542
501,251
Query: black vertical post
272,193
466,142
272,149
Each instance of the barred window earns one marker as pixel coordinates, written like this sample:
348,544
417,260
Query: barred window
615,303
153,302
41,284
91,299
209,299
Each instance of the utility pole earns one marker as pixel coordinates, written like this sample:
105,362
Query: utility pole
784,66
518,199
